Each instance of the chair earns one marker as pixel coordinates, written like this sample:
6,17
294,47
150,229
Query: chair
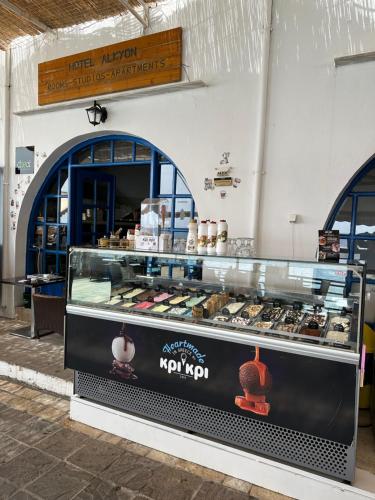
49,313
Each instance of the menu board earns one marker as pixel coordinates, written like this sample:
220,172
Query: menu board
329,245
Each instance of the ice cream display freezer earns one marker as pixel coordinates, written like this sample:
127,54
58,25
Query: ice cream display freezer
263,355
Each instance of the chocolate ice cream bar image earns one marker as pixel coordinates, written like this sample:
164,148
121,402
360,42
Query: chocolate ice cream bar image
220,317
177,300
160,308
133,293
162,296
194,301
179,311
340,337
241,321
252,310
338,320
143,305
267,325
233,308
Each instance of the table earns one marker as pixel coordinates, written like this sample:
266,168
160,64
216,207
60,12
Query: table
26,282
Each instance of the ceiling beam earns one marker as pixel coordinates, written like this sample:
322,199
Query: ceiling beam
24,15
131,9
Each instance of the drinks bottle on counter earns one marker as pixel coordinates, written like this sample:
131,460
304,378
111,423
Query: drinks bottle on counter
192,237
211,239
202,237
222,238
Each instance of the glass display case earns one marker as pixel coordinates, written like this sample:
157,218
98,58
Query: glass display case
260,354
307,302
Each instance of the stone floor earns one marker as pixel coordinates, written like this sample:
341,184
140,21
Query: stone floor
44,455
46,355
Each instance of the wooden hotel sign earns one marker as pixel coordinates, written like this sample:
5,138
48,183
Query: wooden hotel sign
142,62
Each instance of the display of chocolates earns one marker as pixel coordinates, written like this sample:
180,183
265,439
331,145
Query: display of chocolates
235,311
221,317
286,327
266,325
336,336
178,299
252,310
160,308
162,296
321,319
179,311
339,320
239,320
133,293
233,308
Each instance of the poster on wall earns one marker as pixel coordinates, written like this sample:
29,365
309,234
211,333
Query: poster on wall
25,160
329,245
306,394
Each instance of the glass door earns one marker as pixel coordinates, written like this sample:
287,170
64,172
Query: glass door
95,206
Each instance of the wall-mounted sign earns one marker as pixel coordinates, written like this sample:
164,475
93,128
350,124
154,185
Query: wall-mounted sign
329,245
25,160
149,60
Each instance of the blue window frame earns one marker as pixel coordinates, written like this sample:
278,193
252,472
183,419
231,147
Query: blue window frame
53,221
354,216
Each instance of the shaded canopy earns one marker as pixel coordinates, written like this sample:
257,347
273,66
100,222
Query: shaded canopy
32,17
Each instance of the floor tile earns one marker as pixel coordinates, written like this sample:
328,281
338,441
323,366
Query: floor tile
26,467
95,456
33,430
9,448
63,443
101,490
6,489
214,491
62,482
151,478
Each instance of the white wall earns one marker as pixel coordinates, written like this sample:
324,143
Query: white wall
2,107
321,126
320,123
222,46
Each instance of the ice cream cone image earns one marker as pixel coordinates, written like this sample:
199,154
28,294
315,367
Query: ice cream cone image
256,382
123,350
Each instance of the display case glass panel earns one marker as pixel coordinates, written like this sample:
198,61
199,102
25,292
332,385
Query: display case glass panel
303,302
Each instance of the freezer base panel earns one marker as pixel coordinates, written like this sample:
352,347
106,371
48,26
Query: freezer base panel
311,452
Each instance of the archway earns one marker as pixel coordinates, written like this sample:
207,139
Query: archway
54,184
353,214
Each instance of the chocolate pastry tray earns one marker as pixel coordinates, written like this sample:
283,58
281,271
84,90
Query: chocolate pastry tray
242,313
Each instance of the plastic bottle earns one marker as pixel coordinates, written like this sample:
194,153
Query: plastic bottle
192,237
222,238
202,237
212,238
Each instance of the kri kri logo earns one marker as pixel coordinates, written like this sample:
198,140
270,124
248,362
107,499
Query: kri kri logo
184,367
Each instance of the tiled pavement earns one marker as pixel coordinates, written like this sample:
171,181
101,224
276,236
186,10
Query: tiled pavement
44,412
45,354
45,455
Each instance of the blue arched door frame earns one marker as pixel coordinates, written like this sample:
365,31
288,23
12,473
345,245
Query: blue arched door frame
67,162
350,192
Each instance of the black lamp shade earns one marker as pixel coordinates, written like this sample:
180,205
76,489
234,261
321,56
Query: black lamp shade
96,114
